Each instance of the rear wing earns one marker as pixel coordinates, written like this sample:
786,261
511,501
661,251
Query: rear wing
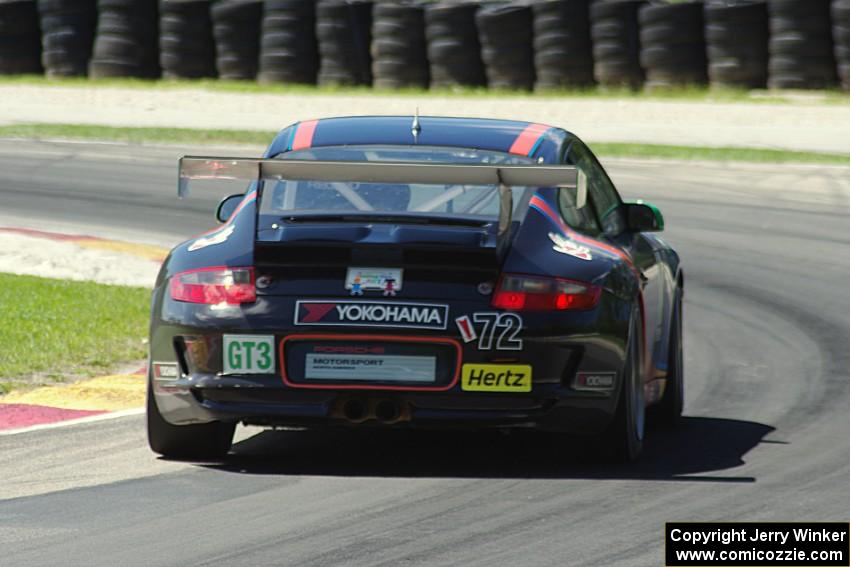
502,176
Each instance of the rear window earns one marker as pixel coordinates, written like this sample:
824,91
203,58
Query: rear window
293,198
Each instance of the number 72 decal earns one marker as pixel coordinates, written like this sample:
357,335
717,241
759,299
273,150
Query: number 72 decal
491,328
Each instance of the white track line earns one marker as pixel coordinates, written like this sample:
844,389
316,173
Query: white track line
72,422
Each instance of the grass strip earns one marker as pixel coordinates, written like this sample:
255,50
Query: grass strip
136,135
700,93
752,155
51,329
262,138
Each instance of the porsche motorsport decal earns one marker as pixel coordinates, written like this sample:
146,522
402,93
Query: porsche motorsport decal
566,246
496,378
492,329
351,313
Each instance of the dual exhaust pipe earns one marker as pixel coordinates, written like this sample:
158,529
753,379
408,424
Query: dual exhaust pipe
358,410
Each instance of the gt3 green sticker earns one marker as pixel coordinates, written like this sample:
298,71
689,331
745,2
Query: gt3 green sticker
249,354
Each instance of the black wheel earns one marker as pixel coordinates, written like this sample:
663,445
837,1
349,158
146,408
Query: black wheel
208,441
669,410
623,439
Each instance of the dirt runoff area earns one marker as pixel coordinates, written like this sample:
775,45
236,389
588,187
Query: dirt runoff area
795,122
78,257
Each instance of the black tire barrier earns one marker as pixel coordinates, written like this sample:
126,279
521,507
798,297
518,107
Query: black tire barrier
399,49
505,33
616,43
841,36
186,45
563,52
20,37
800,45
288,49
344,31
672,44
454,53
736,44
127,40
67,36
236,28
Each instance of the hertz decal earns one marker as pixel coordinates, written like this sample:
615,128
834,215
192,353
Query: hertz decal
496,378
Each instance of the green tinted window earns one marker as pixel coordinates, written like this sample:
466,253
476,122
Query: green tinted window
601,192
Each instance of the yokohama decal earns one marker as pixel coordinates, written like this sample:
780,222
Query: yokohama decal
528,140
372,314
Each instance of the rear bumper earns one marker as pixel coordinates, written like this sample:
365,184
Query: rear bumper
267,401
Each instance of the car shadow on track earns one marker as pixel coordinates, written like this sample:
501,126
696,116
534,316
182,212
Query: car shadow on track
697,447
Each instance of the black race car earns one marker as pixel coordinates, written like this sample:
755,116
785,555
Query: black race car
427,273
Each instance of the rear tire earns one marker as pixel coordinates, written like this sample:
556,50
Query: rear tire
207,441
669,410
623,439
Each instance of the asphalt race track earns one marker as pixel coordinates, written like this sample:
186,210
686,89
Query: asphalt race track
766,251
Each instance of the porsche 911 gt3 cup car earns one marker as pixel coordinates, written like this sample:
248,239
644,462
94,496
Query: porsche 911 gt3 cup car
407,272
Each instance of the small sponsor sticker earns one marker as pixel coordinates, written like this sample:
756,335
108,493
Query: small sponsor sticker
248,354
570,248
467,331
165,371
212,239
351,313
496,378
386,280
595,380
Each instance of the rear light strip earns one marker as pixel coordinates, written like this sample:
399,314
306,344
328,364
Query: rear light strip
214,286
517,292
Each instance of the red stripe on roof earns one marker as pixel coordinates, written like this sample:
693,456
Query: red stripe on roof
524,143
304,135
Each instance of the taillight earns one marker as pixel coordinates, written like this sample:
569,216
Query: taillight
215,285
533,293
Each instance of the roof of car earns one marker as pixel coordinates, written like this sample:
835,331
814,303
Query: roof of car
511,136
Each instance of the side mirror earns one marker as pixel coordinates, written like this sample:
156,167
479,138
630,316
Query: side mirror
226,207
644,217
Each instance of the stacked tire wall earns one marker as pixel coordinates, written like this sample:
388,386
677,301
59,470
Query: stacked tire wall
236,28
186,45
344,31
67,36
841,37
616,43
801,50
288,49
736,44
399,49
507,49
454,52
672,44
563,52
20,37
127,40
391,44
